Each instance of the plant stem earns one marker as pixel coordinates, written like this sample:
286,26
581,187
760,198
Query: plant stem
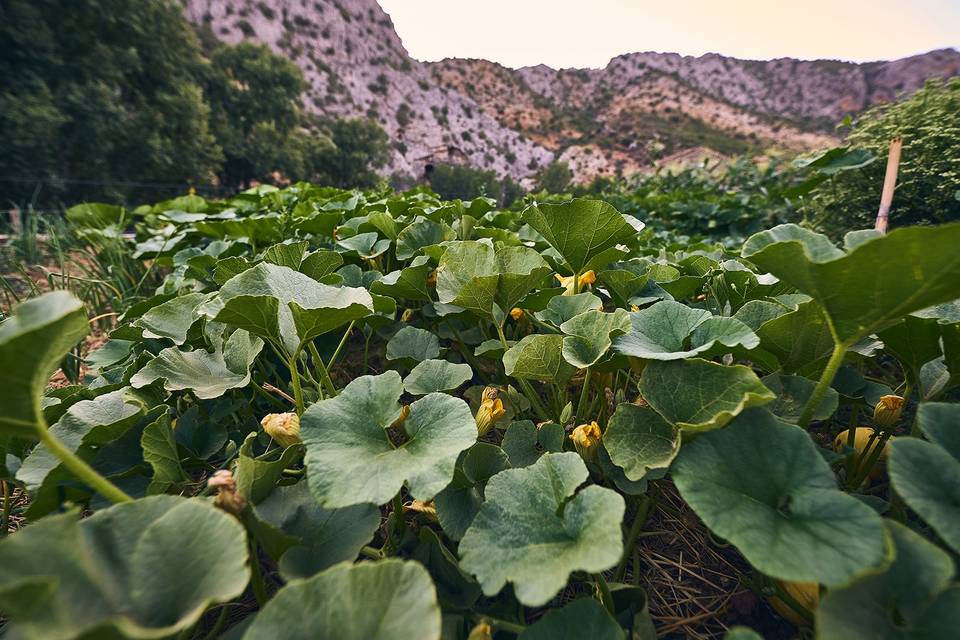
295,381
222,618
604,590
343,341
7,502
851,468
581,405
826,378
324,374
79,468
371,552
643,508
256,577
524,385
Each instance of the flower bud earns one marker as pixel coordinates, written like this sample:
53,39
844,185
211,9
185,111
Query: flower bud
586,440
427,508
284,428
491,410
516,313
567,282
482,631
228,498
887,411
406,315
404,412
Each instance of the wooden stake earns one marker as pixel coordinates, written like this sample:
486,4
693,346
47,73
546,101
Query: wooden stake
889,184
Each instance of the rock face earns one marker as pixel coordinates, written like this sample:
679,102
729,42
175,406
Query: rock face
618,120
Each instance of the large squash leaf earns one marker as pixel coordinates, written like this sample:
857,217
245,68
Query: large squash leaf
763,485
867,288
144,569
351,458
388,600
33,341
531,532
580,229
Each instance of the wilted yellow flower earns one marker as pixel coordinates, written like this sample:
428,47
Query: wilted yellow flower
228,498
427,508
406,315
586,440
432,278
491,410
516,313
482,631
192,191
634,307
588,277
284,428
807,595
404,412
888,411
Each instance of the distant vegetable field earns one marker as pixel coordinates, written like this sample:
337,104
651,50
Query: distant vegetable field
323,413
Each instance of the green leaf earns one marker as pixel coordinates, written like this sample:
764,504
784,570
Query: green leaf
411,343
538,357
323,537
763,485
671,330
579,229
422,233
524,442
459,503
351,458
88,422
261,300
257,477
128,571
792,394
208,375
320,263
173,318
160,452
582,618
927,474
912,599
537,543
286,254
409,283
387,600
589,335
455,588
800,340
697,395
474,276
940,421
33,341
638,440
436,375
868,288
562,308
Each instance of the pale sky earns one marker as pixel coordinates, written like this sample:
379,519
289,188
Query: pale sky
587,33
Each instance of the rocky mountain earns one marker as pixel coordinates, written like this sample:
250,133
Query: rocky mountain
641,108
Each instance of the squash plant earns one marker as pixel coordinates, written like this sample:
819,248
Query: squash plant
377,415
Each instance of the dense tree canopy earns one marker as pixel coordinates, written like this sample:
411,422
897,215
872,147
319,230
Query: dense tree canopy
123,105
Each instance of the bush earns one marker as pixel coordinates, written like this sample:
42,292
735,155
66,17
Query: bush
555,177
928,185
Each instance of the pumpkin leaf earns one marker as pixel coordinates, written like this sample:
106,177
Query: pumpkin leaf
536,544
763,485
436,375
351,458
638,439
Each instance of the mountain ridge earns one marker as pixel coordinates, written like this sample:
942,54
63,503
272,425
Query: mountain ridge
641,108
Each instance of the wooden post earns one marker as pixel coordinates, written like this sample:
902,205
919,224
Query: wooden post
889,184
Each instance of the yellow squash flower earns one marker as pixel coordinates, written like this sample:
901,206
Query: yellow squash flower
491,410
284,428
888,411
807,595
586,440
404,412
588,277
516,313
482,631
861,438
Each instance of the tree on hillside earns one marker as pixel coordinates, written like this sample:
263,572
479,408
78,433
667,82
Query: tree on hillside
96,95
360,147
555,178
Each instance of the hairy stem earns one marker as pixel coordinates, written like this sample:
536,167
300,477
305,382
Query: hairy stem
79,468
833,365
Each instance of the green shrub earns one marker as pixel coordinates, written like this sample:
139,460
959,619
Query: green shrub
928,185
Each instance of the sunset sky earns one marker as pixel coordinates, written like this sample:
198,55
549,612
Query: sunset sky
587,33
